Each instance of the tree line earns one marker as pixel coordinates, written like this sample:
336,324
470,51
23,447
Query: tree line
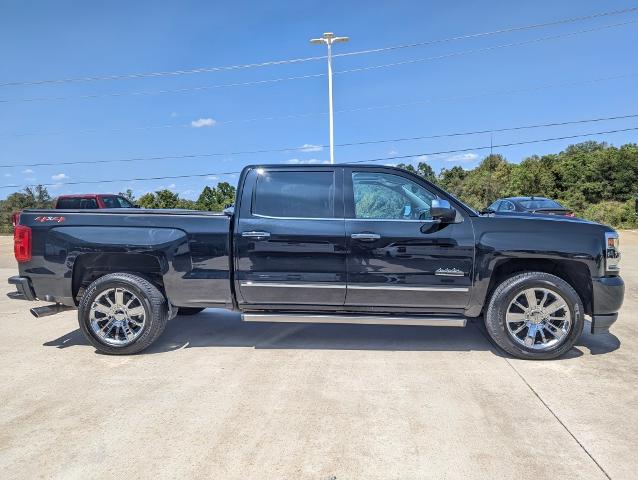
597,181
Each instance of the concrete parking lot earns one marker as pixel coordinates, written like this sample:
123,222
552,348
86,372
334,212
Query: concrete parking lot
218,398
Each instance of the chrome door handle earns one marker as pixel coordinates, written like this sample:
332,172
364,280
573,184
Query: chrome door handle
365,237
256,235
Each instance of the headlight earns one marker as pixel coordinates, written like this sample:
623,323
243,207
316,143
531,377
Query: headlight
612,252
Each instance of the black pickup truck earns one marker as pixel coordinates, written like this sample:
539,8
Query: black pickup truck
334,243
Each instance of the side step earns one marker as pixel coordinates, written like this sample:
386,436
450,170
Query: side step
423,320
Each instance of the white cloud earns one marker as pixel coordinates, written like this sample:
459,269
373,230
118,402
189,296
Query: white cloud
27,171
174,114
212,178
309,147
203,122
422,158
314,161
59,176
462,157
171,186
393,152
8,175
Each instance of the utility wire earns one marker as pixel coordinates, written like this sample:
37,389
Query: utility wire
317,75
307,59
370,160
486,49
488,147
305,147
351,110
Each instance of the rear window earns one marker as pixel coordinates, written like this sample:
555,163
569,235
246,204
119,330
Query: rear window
76,203
540,203
295,194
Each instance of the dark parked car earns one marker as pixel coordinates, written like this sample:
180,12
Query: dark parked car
542,205
324,243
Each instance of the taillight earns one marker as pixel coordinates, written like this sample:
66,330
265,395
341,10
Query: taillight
15,218
22,243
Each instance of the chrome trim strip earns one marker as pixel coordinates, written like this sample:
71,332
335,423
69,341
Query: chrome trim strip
292,285
449,272
414,289
295,218
356,319
353,287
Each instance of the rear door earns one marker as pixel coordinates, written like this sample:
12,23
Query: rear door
290,239
392,263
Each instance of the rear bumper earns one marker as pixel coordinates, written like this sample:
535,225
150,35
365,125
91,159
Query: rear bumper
24,290
608,295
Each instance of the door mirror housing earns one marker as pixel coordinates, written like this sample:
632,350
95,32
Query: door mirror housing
442,210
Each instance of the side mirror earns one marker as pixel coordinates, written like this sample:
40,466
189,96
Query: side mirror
442,210
229,211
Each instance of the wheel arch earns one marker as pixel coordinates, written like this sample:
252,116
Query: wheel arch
89,267
573,272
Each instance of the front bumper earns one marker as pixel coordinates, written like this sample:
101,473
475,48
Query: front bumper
24,290
608,294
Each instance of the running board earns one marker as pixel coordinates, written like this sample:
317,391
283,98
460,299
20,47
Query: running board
424,320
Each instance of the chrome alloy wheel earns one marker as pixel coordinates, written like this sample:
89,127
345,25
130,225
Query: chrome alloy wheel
117,316
538,318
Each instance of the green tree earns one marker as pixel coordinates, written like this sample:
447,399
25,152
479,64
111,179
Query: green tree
423,169
128,195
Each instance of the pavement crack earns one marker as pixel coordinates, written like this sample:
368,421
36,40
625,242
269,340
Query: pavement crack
549,409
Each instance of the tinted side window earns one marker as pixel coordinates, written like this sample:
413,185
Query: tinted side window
388,196
116,202
295,194
507,206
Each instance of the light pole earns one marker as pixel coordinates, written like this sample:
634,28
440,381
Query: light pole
329,38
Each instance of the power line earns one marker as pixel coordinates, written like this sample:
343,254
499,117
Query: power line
489,33
370,160
351,110
307,59
486,49
317,75
489,147
305,147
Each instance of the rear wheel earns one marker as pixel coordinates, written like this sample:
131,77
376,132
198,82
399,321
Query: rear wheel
121,313
534,315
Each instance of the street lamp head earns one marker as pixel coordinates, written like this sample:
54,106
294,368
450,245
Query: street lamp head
328,38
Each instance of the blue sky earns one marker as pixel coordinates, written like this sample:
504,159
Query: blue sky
63,39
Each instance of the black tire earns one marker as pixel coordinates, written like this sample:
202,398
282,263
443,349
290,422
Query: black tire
151,299
512,287
189,310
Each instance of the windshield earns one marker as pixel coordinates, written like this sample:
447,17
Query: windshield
540,203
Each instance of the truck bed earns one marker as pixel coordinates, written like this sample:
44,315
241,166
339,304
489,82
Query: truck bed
188,249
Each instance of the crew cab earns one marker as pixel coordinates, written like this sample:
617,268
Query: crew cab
332,243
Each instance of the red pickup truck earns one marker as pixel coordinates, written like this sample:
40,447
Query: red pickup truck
86,201
92,201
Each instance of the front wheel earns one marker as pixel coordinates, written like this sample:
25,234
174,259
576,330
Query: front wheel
534,315
121,313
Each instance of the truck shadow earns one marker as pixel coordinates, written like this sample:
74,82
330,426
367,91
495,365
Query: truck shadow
219,328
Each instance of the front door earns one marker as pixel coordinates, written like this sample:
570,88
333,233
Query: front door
392,261
290,247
